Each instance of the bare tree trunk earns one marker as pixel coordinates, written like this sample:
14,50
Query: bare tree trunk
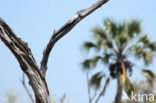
22,52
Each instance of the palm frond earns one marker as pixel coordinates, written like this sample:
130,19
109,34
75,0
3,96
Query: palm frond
99,33
123,40
144,48
109,44
91,63
111,27
96,79
106,44
144,39
150,76
147,56
88,45
134,28
95,60
123,36
151,46
107,57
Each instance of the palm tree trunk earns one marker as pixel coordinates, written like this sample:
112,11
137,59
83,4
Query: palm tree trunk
120,81
119,92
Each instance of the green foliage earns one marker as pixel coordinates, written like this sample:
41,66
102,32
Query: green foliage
144,48
123,32
114,39
115,42
107,57
111,27
96,79
89,45
134,28
98,33
91,63
150,77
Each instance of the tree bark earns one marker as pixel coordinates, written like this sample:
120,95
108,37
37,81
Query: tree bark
119,92
27,62
23,54
120,82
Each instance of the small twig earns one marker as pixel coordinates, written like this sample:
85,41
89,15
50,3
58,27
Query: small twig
88,85
62,99
103,91
94,96
26,89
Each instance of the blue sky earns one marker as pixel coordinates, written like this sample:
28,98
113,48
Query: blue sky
35,20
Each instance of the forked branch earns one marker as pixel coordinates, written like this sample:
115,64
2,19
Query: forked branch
65,29
27,62
18,47
103,91
25,58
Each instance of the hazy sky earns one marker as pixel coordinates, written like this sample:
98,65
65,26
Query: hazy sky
35,20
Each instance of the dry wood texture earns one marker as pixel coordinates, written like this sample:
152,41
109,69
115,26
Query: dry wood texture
23,54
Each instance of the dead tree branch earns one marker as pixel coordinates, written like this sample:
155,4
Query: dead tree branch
27,62
23,54
65,29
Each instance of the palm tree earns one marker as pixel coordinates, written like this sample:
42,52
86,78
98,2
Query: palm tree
114,44
146,86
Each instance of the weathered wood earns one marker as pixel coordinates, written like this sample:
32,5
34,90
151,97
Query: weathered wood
65,29
27,62
23,54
